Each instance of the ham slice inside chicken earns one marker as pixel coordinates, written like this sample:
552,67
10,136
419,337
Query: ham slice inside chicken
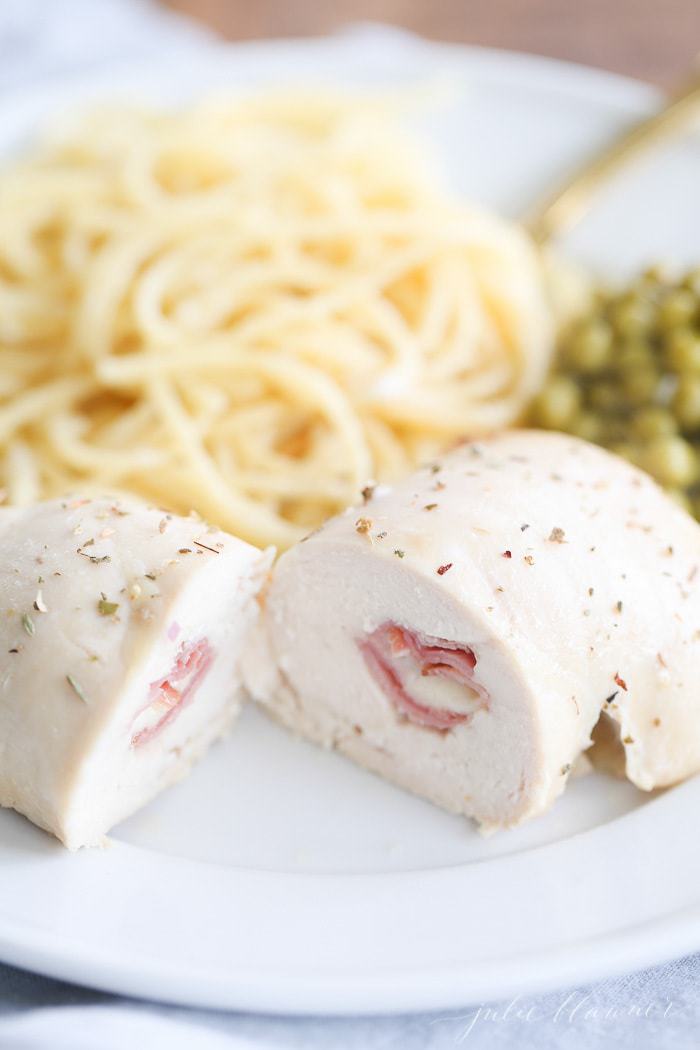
429,681
168,695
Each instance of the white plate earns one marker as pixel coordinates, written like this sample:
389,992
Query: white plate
282,878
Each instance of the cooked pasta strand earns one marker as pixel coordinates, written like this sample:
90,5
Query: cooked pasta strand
251,307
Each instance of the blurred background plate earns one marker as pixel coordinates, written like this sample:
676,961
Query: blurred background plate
279,877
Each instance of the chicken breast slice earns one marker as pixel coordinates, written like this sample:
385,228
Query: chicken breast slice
461,633
121,630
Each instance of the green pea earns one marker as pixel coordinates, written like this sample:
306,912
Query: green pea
678,308
634,354
653,422
640,385
616,430
629,378
589,347
633,316
682,499
683,350
605,397
627,450
655,274
692,282
558,403
588,426
686,402
671,460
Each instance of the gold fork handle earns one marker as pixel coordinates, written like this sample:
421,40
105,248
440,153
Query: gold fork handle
565,207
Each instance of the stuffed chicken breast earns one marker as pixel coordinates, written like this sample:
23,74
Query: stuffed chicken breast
121,630
463,633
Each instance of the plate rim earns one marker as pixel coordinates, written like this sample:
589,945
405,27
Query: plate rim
391,989
572,965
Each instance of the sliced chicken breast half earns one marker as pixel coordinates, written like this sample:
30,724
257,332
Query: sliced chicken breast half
461,633
121,630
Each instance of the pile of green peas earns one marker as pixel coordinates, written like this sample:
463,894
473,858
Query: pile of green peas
627,376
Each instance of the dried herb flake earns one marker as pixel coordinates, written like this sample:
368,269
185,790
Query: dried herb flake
93,557
76,687
198,543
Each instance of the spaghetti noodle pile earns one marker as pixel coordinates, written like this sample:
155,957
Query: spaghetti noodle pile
250,308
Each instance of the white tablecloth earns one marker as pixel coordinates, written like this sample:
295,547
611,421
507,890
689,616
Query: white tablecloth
652,1010
656,1009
